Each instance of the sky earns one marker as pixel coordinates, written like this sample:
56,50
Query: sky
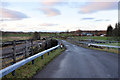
57,15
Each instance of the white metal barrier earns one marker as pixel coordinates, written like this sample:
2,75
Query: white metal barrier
13,67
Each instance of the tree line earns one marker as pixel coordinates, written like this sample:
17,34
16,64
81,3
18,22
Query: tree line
113,32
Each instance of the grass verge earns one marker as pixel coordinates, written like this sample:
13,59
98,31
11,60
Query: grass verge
28,70
113,50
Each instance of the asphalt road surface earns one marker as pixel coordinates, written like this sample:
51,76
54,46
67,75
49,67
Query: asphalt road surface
78,62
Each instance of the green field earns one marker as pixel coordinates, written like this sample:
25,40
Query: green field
113,44
10,37
98,38
27,35
65,34
93,37
17,35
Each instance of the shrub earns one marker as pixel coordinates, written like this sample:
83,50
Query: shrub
36,36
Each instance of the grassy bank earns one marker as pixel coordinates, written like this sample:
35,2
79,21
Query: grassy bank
113,50
111,44
28,70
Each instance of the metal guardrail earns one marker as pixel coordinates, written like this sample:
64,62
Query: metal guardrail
99,45
13,67
99,41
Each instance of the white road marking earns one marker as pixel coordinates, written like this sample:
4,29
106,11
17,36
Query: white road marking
108,75
67,50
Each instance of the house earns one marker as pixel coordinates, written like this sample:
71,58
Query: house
91,32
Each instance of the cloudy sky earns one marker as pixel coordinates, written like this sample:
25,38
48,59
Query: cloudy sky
57,15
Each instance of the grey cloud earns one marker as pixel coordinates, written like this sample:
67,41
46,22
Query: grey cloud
48,24
87,18
7,14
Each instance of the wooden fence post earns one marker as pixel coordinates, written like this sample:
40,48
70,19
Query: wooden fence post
26,50
14,55
119,51
32,50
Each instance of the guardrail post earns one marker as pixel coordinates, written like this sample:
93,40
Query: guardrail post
14,55
48,53
42,57
32,50
51,50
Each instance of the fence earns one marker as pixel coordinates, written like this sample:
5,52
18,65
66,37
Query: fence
13,67
16,53
11,42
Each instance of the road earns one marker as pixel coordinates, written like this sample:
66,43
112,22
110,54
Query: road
78,62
